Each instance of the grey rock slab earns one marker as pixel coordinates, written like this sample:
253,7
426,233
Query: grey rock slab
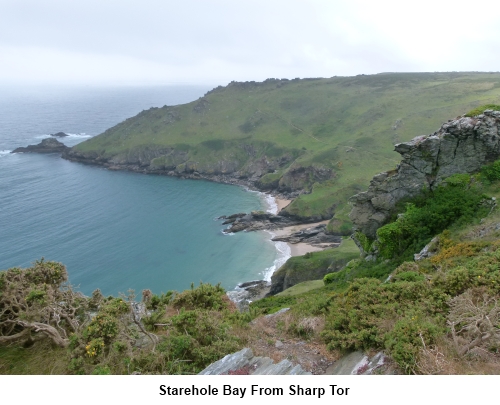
347,364
244,359
230,362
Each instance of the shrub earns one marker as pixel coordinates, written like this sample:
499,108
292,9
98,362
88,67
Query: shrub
408,336
427,215
158,301
371,314
37,303
205,296
410,276
365,241
492,171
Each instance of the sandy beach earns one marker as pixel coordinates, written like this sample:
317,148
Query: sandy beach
281,203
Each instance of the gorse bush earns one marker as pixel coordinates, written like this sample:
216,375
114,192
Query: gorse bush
408,336
206,296
372,314
190,330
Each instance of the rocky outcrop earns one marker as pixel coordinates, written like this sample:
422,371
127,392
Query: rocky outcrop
359,363
462,145
48,145
59,134
300,177
245,363
256,221
315,236
240,164
247,292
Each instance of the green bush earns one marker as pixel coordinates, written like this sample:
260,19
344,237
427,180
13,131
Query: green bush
205,296
492,171
196,339
365,241
410,276
372,314
428,215
359,268
404,341
158,301
459,180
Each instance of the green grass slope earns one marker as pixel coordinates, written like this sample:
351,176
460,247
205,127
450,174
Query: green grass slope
345,126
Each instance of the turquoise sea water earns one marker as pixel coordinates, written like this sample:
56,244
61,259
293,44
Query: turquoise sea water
115,230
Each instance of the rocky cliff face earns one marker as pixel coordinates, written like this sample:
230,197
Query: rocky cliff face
462,145
239,164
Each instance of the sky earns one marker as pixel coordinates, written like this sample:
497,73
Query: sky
217,41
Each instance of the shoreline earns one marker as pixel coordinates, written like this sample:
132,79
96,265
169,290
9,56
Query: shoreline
246,292
301,248
282,203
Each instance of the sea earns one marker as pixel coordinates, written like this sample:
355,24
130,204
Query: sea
117,231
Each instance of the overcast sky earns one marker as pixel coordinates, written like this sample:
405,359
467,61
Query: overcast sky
216,41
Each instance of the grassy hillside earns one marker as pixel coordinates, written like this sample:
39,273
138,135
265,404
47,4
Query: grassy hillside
342,129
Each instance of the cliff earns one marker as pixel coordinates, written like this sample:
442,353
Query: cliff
319,140
462,145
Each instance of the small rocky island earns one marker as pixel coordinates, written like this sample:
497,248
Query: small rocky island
59,134
48,145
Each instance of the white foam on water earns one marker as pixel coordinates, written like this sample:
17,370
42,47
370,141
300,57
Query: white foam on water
272,205
284,253
80,135
237,294
4,152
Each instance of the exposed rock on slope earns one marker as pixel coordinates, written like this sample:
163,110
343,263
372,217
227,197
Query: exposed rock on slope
460,146
244,362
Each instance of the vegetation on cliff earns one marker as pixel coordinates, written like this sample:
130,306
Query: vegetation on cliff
174,333
327,137
436,315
